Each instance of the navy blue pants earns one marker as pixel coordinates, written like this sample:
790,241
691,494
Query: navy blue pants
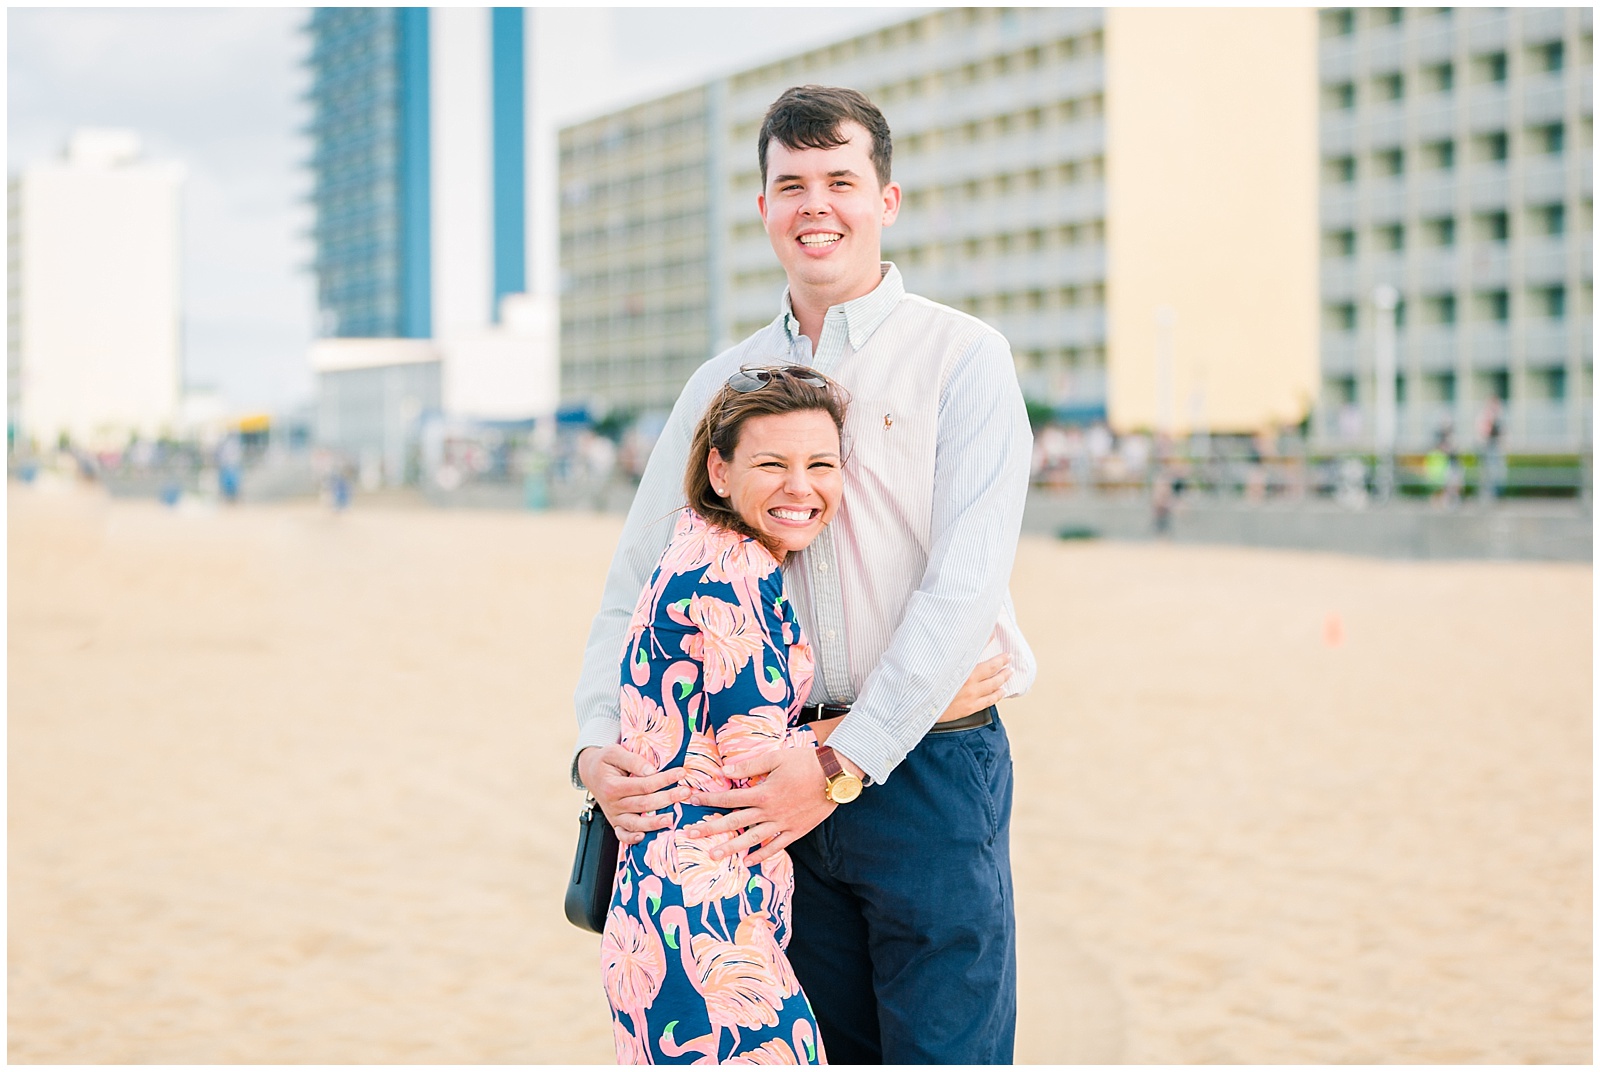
904,932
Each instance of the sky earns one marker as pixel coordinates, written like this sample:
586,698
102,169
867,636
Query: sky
219,90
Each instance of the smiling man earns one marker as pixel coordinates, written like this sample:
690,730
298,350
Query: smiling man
899,827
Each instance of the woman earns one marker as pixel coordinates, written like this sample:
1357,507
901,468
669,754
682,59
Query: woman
713,668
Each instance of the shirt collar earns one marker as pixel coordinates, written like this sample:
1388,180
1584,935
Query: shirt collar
862,315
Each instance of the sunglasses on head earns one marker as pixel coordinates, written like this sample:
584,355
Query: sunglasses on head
754,379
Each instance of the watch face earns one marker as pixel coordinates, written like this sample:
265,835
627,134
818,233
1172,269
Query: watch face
843,789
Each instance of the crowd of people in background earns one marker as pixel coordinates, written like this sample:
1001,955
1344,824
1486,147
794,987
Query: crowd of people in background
595,464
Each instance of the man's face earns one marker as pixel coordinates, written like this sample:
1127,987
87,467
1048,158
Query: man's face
825,214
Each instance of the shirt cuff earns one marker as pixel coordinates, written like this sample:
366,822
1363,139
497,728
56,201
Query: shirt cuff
864,745
597,732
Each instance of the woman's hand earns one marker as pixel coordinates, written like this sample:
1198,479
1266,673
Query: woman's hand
985,686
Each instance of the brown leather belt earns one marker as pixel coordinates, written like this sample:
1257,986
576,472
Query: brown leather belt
970,722
816,712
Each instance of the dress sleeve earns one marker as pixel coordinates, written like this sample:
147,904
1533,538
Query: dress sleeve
749,688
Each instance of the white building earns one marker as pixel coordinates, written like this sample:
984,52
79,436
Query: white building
94,339
1458,168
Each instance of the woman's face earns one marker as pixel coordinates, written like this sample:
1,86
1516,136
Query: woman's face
784,478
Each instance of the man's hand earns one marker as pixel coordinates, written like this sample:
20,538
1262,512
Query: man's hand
784,807
628,789
984,687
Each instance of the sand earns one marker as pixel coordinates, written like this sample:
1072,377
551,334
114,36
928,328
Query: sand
291,787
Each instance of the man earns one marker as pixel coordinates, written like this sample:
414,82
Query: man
904,933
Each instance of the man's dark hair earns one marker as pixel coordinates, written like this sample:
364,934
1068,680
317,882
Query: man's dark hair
809,117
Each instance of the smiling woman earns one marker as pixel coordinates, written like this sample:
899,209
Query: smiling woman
714,670
766,459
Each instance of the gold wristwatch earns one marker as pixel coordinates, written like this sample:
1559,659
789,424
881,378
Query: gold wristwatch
842,787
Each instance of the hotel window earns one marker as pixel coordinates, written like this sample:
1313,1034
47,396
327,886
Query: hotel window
1550,138
1491,147
1492,226
1439,78
1339,22
1494,305
1390,162
1340,97
1341,169
1494,384
1491,67
1440,308
1440,231
1549,384
1440,155
1342,243
1388,87
1342,316
1551,56
1439,387
1549,301
1549,219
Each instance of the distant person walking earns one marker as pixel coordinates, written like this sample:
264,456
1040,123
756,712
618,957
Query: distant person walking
1492,464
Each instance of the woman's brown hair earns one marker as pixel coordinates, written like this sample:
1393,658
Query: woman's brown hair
725,417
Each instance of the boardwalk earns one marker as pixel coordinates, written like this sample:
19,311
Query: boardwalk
286,787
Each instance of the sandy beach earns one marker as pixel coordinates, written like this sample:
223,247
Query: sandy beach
289,787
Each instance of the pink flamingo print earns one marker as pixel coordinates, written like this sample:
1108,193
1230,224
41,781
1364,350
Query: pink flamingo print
779,1052
738,987
758,932
802,667
694,544
746,736
702,764
633,965
631,1049
649,731
702,878
729,634
737,560
777,875
677,681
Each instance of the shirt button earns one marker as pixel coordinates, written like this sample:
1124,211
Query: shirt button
829,634
822,567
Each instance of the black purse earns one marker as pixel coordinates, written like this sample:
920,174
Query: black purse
594,869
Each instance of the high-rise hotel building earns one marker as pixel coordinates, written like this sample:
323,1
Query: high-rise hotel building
1457,167
94,290
420,161
1105,187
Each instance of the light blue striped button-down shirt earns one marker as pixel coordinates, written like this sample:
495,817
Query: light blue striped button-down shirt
907,588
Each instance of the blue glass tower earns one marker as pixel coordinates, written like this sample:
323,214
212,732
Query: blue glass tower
371,187
510,198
